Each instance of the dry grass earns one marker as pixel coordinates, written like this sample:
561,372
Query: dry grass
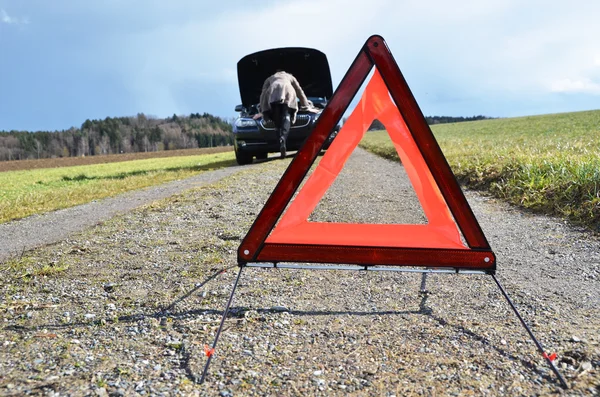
111,158
35,191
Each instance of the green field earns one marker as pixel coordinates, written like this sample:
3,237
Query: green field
29,192
548,163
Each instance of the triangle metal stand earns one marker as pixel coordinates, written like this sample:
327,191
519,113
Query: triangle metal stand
210,351
537,343
423,290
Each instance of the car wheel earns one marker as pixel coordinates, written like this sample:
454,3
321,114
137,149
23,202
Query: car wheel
262,156
243,158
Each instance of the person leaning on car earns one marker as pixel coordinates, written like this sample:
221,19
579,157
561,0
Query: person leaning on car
279,99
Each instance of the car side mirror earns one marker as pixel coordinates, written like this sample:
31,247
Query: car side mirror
240,108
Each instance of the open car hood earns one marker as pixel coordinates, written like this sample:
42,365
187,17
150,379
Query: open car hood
308,65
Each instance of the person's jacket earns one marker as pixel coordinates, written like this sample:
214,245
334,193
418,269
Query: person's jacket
283,88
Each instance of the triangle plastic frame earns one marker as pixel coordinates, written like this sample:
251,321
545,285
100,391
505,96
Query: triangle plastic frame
478,255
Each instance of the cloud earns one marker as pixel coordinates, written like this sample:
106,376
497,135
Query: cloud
556,52
584,86
7,19
461,57
204,51
467,49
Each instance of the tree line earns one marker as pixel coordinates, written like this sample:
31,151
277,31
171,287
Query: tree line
140,133
431,120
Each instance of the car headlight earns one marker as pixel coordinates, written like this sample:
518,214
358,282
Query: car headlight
316,117
245,123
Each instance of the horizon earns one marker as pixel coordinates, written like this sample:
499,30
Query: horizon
229,119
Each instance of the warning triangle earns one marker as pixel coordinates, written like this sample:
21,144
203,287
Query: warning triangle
387,98
440,232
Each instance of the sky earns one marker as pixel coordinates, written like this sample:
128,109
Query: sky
64,61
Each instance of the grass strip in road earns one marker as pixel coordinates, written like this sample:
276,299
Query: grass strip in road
548,163
24,193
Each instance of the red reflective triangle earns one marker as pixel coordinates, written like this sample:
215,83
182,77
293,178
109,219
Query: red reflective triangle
434,244
439,232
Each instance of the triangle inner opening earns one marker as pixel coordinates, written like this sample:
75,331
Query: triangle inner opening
370,190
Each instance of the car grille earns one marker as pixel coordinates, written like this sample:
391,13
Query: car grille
302,120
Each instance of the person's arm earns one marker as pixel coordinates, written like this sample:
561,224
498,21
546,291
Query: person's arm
300,93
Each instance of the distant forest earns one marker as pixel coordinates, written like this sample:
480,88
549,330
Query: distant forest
431,120
139,133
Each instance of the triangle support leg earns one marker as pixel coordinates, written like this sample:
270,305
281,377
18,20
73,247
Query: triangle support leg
423,289
537,343
210,352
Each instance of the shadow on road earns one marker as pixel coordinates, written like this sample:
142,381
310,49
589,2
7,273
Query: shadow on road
239,312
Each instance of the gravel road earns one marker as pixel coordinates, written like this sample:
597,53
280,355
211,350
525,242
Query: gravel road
125,307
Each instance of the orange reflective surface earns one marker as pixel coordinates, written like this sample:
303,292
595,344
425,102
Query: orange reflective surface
441,230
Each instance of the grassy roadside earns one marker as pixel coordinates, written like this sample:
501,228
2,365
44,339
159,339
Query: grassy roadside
25,193
548,163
